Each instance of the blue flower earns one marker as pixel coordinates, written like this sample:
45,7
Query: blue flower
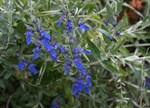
68,30
32,68
76,50
21,64
55,105
56,102
36,53
111,37
35,21
82,26
118,32
79,50
15,40
46,44
69,27
81,84
69,23
38,27
67,67
106,21
62,50
79,65
55,45
72,11
147,82
53,54
115,23
60,21
45,35
77,87
65,13
88,81
29,37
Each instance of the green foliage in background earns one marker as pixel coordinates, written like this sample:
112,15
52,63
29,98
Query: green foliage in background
118,68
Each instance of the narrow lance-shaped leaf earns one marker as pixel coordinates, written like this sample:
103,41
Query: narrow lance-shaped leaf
119,44
109,13
95,51
108,66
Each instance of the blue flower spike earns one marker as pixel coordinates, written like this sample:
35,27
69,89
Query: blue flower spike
69,27
82,80
78,86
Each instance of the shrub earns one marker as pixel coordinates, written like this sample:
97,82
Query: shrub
73,54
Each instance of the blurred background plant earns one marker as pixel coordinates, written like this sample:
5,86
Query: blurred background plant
116,32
